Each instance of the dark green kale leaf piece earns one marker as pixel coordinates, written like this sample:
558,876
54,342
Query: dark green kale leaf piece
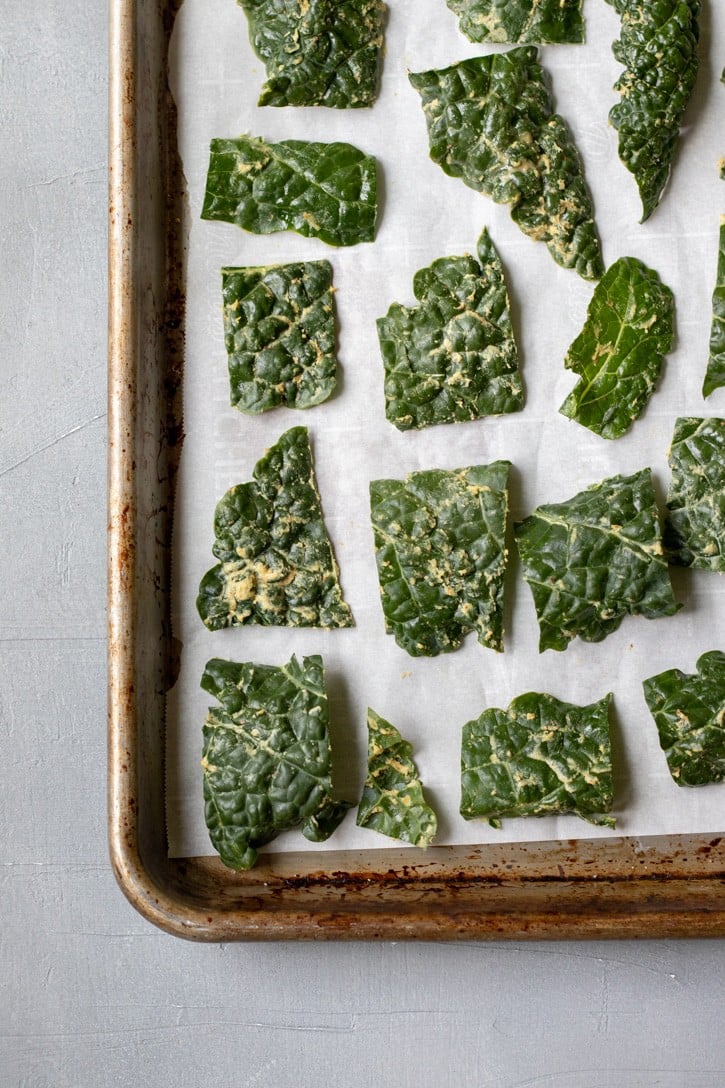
317,52
454,357
392,801
267,760
695,526
689,712
279,331
525,21
326,191
618,355
539,757
490,123
276,565
441,555
595,559
715,376
658,47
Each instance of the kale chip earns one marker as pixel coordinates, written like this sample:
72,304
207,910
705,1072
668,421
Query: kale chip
689,712
276,565
279,331
595,559
454,357
441,555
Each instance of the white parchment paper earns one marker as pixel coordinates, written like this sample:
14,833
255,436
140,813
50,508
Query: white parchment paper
423,215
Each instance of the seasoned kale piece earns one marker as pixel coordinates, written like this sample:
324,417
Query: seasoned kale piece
490,122
715,376
695,526
539,757
441,555
279,330
689,712
618,355
326,191
453,358
595,559
317,52
658,48
267,761
543,21
392,801
276,566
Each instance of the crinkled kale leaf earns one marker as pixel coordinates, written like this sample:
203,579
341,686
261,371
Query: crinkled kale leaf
454,357
326,191
317,52
490,122
441,556
689,712
276,565
658,47
543,21
619,353
595,559
695,526
539,757
267,760
715,376
392,801
279,331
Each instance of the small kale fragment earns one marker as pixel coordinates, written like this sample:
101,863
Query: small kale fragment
695,526
276,565
539,757
326,191
595,559
454,357
658,47
392,801
267,760
618,354
524,21
441,555
715,376
490,122
279,331
317,52
689,712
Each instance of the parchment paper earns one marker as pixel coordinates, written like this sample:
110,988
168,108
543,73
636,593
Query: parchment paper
423,215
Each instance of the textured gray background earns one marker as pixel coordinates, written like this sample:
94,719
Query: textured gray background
91,995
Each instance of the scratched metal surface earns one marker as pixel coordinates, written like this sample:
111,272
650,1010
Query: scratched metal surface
90,993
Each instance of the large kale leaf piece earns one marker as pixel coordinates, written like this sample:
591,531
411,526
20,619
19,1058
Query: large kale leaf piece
441,556
317,52
267,760
618,355
326,191
539,757
543,21
392,801
454,357
276,565
695,525
689,712
715,375
658,47
595,559
279,331
490,123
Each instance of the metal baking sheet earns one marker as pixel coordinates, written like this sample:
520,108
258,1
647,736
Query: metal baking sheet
621,886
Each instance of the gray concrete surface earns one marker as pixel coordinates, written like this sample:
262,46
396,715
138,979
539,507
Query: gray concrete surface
91,995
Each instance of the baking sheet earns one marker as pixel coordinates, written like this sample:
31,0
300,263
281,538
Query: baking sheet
216,79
